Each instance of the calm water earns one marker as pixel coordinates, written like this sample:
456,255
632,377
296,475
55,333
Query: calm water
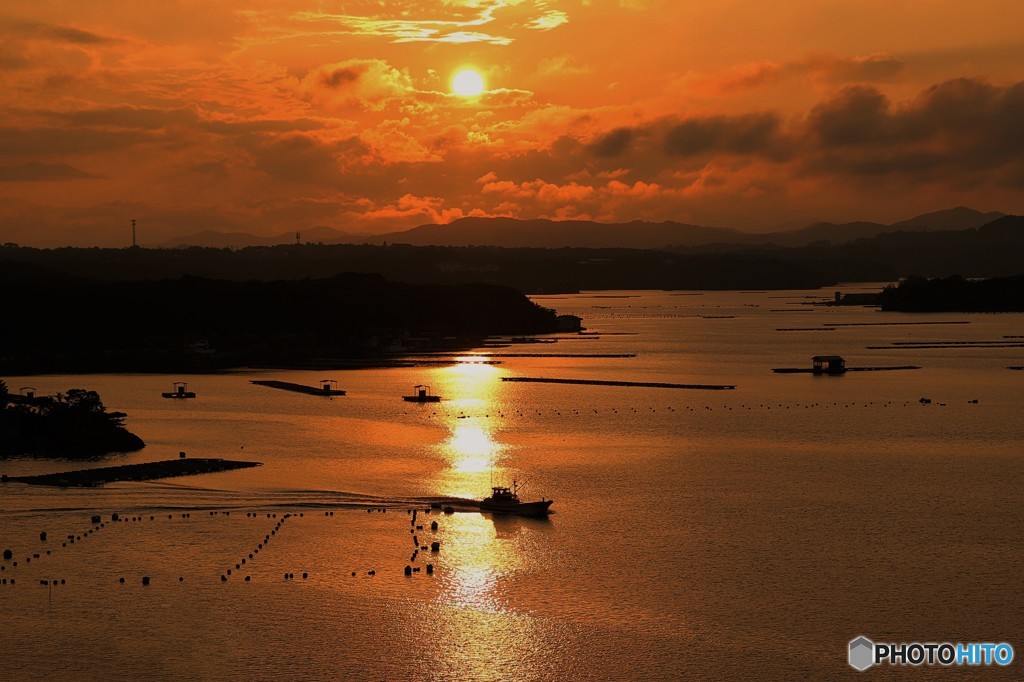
708,534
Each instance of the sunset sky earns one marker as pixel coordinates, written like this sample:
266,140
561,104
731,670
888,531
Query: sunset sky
273,116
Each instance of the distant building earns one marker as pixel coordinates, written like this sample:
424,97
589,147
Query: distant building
570,323
828,364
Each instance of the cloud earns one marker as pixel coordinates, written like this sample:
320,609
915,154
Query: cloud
549,20
744,134
824,69
298,158
59,141
563,66
35,171
950,129
396,22
358,83
54,33
612,144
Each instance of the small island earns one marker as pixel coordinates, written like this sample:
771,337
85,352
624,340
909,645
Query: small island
72,425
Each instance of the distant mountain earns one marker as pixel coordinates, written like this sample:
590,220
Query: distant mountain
541,233
511,232
825,232
960,218
239,240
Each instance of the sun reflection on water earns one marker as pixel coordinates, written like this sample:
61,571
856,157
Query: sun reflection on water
477,564
472,450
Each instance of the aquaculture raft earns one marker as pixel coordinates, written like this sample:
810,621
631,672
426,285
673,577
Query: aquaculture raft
326,387
85,478
645,384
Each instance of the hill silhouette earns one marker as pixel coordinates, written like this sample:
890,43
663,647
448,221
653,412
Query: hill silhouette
542,233
76,324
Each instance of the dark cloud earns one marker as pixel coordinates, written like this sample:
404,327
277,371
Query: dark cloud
746,134
140,118
951,130
63,141
55,33
67,34
42,172
858,115
298,158
612,144
340,77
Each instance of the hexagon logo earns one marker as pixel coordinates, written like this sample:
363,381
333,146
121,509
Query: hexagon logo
862,653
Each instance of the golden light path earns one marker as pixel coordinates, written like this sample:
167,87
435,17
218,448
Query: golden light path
472,450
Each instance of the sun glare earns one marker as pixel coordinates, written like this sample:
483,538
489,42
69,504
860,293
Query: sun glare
467,83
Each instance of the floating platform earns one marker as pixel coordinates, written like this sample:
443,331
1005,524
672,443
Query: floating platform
421,394
322,389
88,478
180,392
808,370
643,384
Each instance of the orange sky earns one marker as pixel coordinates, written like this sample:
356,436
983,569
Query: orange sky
272,116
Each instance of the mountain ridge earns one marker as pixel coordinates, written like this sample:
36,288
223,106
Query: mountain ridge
637,234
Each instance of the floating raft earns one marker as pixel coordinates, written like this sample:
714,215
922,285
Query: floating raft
299,388
808,370
645,384
85,478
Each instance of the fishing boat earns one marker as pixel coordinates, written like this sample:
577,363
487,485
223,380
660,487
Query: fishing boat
180,391
506,501
421,394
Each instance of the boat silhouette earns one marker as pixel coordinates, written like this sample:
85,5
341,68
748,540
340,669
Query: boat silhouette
506,501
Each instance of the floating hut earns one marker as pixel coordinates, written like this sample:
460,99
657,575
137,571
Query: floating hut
828,364
180,391
421,394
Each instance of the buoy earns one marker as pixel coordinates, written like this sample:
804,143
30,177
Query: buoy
408,570
181,579
433,526
435,546
145,580
95,518
8,554
305,575
115,517
223,578
247,578
430,569
353,574
372,573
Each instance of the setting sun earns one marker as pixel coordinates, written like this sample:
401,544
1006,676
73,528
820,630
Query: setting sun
467,83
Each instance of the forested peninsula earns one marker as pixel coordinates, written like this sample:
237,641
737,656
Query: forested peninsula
60,323
73,425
